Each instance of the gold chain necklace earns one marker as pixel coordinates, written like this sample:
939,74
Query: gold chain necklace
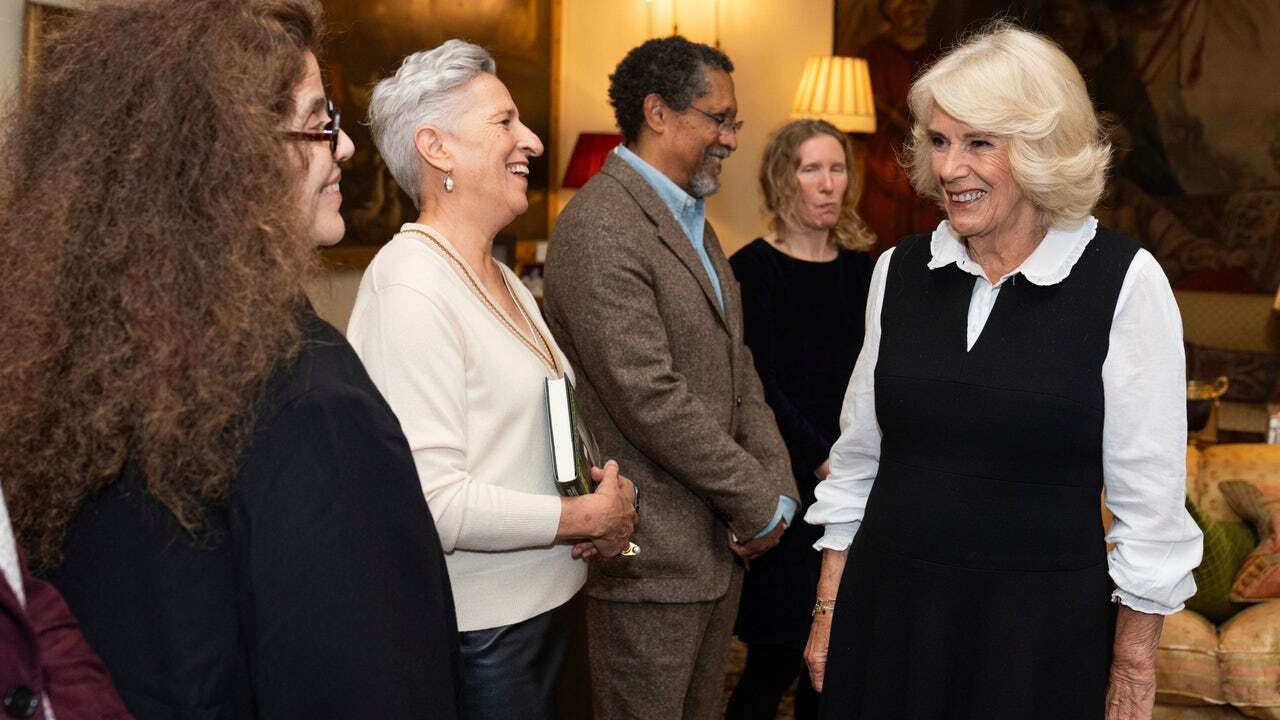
545,353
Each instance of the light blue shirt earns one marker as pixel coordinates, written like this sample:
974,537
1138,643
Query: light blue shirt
691,213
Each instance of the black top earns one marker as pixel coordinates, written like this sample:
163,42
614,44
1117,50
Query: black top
803,322
977,585
1023,407
320,591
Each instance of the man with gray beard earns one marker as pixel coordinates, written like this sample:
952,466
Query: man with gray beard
643,302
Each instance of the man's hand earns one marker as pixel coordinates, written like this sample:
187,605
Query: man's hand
754,548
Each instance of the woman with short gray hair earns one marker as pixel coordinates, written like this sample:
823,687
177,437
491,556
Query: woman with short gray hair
458,347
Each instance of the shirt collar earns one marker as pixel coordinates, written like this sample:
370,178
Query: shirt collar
1049,264
681,203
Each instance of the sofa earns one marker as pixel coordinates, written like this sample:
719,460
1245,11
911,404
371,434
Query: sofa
1230,670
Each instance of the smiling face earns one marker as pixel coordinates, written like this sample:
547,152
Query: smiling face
491,149
822,176
980,195
700,145
319,196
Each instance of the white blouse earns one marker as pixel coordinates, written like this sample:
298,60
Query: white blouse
1157,544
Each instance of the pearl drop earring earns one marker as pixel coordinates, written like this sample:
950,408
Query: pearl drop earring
448,183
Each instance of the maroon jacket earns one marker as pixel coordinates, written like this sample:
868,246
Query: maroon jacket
42,651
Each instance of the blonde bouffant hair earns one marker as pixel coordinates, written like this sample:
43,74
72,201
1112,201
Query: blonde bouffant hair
1016,84
782,191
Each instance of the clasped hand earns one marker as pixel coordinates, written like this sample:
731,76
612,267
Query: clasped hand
608,514
755,547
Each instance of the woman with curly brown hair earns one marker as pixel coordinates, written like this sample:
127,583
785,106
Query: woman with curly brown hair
199,463
804,286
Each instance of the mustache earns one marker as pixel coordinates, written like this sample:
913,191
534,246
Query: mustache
718,151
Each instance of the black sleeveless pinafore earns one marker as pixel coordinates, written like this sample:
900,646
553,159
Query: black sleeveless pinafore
977,585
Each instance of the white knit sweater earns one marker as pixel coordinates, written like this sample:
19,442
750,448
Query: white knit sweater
471,399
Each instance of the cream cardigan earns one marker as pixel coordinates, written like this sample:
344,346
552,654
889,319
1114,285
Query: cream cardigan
471,400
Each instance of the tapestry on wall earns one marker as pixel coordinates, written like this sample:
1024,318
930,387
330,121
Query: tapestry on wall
367,41
1187,87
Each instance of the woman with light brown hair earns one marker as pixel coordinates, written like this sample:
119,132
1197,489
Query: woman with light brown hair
804,287
197,461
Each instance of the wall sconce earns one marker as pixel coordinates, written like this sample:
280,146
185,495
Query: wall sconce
838,90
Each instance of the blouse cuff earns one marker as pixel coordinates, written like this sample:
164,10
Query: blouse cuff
838,536
1143,605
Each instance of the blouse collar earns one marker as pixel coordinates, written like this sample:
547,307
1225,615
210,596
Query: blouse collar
1049,264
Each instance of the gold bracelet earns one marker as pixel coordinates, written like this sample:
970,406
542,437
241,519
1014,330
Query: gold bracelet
822,607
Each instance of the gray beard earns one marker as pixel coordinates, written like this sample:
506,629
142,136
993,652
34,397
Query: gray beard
702,183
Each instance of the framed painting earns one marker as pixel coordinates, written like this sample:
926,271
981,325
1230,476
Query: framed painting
367,41
1183,87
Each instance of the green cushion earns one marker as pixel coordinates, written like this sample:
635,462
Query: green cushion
1226,545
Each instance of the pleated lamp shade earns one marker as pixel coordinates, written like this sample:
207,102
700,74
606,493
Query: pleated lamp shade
838,90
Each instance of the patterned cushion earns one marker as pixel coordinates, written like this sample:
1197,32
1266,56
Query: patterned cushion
1259,576
1249,650
1187,661
1226,545
1257,463
1197,712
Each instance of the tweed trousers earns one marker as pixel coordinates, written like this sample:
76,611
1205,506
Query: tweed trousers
660,661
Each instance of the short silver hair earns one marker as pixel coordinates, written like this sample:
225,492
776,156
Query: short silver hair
421,92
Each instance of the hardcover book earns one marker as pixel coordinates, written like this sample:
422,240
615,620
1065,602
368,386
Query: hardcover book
573,450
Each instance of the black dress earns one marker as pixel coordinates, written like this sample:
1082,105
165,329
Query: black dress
320,590
977,584
803,322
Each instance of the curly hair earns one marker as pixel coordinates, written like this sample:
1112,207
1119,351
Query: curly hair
1019,85
781,191
672,67
152,253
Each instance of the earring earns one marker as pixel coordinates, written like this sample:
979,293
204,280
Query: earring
448,182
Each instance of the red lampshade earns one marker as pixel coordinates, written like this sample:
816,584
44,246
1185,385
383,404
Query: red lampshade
589,154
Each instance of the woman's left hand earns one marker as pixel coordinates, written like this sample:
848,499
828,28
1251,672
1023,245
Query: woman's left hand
1131,694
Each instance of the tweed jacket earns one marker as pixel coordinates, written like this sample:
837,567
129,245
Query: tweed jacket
666,385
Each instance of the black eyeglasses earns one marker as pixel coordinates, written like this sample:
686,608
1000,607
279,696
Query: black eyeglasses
329,133
723,123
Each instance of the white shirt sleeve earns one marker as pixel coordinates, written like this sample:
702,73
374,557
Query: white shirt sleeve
1144,444
841,499
1144,437
415,352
